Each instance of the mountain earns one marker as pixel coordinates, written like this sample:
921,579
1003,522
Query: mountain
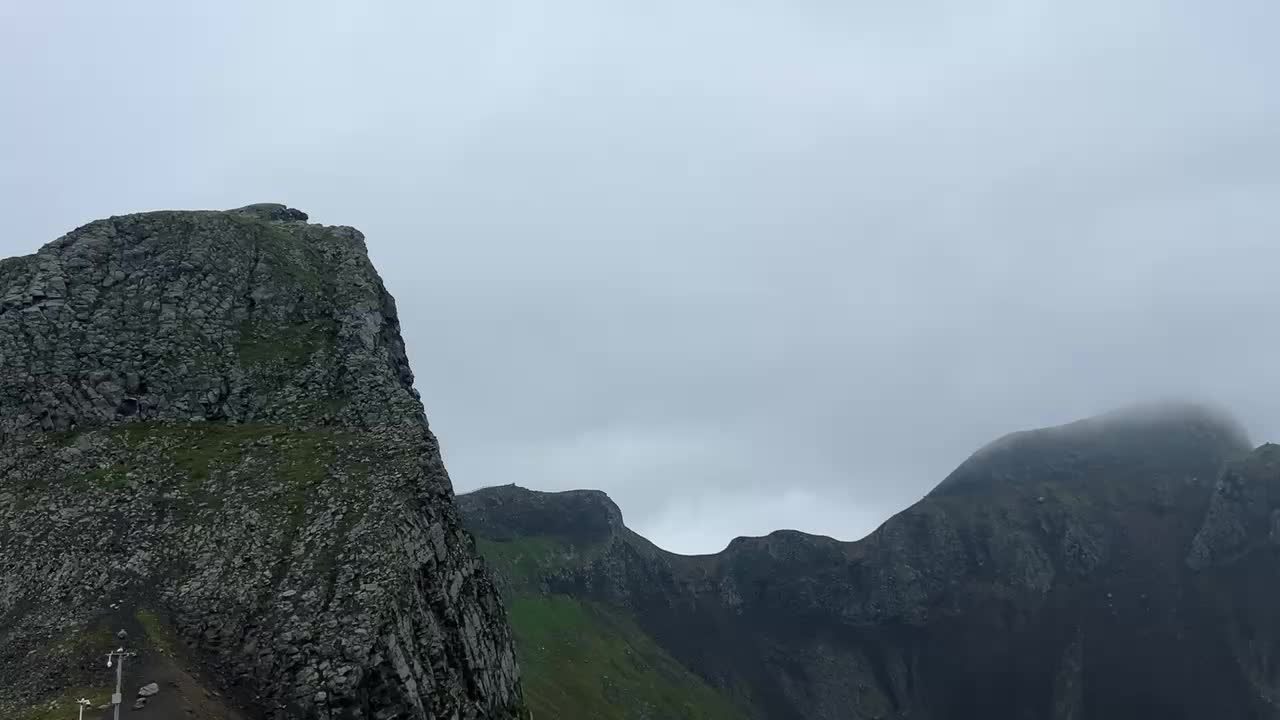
209,438
1120,567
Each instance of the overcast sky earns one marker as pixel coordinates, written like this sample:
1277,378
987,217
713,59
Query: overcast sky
743,265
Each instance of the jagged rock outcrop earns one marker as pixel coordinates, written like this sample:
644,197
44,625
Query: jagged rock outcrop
208,430
582,515
1244,513
1120,567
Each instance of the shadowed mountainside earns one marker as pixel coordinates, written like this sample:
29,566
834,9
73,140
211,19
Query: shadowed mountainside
1113,568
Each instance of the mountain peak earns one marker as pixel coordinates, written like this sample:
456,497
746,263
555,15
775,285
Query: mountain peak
248,315
1048,574
506,511
272,211
1147,440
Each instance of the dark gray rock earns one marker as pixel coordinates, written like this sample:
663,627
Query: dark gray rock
1243,512
209,418
1048,577
273,211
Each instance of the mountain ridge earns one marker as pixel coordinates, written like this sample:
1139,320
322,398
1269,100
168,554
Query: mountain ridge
1176,415
1043,588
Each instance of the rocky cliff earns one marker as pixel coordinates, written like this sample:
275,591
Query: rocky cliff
1120,567
209,435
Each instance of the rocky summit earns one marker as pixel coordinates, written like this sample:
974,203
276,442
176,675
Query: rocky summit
1121,567
209,437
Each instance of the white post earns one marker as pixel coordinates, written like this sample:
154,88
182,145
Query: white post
117,698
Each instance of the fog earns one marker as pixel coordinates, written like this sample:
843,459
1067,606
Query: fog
743,266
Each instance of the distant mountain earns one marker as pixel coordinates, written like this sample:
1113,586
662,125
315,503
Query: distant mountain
1121,567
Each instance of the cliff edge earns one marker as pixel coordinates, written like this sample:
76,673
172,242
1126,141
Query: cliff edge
209,435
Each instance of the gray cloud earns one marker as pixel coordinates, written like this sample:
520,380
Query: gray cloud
741,265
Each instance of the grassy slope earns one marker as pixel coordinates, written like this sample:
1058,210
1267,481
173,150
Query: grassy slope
159,659
583,661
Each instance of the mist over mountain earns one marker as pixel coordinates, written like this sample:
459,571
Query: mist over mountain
1112,568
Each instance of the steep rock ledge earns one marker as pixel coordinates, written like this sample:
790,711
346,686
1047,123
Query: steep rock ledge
209,418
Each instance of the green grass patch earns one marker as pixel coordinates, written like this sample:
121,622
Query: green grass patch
64,438
204,453
204,438
80,644
82,641
159,634
263,344
582,661
303,465
110,477
870,702
287,254
64,707
196,450
526,560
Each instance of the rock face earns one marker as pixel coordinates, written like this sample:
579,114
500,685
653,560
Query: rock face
1121,567
208,429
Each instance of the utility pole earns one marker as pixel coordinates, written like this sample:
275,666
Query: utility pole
118,655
